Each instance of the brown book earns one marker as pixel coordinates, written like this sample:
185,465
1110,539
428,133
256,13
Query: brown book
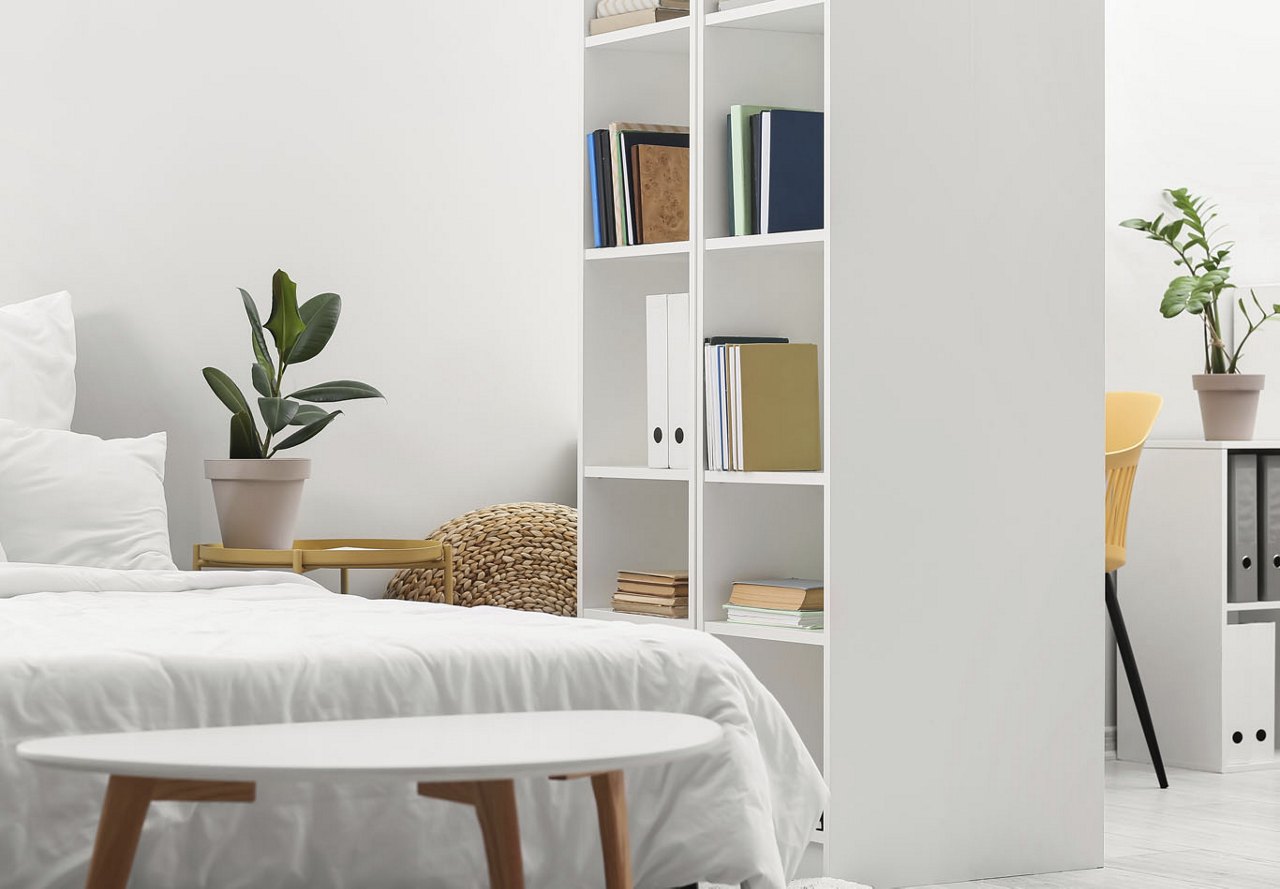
633,19
666,578
671,601
653,589
658,610
790,594
662,192
777,398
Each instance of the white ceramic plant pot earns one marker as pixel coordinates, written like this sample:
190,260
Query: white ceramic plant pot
1228,404
258,500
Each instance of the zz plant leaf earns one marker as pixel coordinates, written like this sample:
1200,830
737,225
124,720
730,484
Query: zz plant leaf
298,333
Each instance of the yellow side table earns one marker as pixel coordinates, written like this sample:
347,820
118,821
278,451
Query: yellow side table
308,555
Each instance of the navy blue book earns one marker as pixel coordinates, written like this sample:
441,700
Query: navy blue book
791,177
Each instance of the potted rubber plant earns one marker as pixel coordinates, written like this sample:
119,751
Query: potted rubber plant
1228,398
257,494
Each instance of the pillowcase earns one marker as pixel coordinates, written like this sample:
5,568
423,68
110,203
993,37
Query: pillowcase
71,499
38,362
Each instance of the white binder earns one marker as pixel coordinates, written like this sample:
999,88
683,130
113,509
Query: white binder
680,410
656,361
1248,694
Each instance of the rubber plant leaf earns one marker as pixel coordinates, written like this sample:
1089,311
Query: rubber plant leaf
226,390
306,433
337,390
259,338
320,315
307,414
261,382
285,323
244,438
277,412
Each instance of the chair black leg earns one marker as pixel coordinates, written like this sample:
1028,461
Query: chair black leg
1135,681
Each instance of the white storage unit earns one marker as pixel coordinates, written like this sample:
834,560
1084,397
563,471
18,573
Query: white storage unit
1207,667
954,699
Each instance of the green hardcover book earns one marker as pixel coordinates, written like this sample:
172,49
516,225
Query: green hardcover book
740,162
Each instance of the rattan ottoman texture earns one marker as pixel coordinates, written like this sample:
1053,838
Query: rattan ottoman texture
522,556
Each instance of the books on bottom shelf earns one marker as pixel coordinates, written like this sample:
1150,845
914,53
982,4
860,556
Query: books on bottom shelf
658,593
786,602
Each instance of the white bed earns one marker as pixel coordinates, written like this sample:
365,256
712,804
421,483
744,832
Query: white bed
103,650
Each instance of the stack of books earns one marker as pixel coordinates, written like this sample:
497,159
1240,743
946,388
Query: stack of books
790,602
614,15
775,169
763,410
639,184
661,593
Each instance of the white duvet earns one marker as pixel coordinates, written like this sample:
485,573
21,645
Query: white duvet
101,650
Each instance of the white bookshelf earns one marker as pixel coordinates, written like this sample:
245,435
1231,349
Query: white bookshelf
806,286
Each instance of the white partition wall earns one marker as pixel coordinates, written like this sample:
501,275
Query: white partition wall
965,610
954,698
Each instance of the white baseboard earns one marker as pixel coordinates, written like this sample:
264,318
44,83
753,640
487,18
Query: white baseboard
1109,742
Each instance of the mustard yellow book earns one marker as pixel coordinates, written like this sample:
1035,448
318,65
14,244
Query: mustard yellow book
780,412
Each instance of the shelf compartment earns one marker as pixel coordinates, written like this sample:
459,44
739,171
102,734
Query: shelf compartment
721,477
796,16
812,241
759,631
671,36
610,614
641,473
636,251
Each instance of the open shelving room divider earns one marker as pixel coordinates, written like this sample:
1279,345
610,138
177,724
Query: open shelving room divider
953,700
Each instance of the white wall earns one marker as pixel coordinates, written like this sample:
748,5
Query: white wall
1211,125
156,155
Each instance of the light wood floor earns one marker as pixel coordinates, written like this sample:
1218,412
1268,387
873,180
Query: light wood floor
1206,830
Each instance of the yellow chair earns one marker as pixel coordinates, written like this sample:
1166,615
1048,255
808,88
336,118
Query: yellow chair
1130,416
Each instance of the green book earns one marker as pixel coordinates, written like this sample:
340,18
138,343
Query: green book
742,166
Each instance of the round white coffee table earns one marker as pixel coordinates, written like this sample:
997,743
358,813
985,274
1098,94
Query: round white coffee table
469,759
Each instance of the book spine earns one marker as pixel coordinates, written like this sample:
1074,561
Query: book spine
597,232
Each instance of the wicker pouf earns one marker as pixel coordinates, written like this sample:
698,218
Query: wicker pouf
516,555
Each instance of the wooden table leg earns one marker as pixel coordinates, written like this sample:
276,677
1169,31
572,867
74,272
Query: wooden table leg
123,811
495,805
447,552
611,809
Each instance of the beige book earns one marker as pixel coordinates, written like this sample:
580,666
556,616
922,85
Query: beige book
633,19
653,589
669,601
666,578
782,595
657,610
780,414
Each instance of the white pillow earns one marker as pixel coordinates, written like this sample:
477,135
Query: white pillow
71,499
38,362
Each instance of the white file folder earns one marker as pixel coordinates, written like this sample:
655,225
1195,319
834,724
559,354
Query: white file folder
656,361
680,410
1248,694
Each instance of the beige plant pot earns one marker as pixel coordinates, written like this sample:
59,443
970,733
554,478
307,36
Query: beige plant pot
258,500
1228,404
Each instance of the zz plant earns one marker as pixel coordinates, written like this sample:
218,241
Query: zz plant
299,333
1205,275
